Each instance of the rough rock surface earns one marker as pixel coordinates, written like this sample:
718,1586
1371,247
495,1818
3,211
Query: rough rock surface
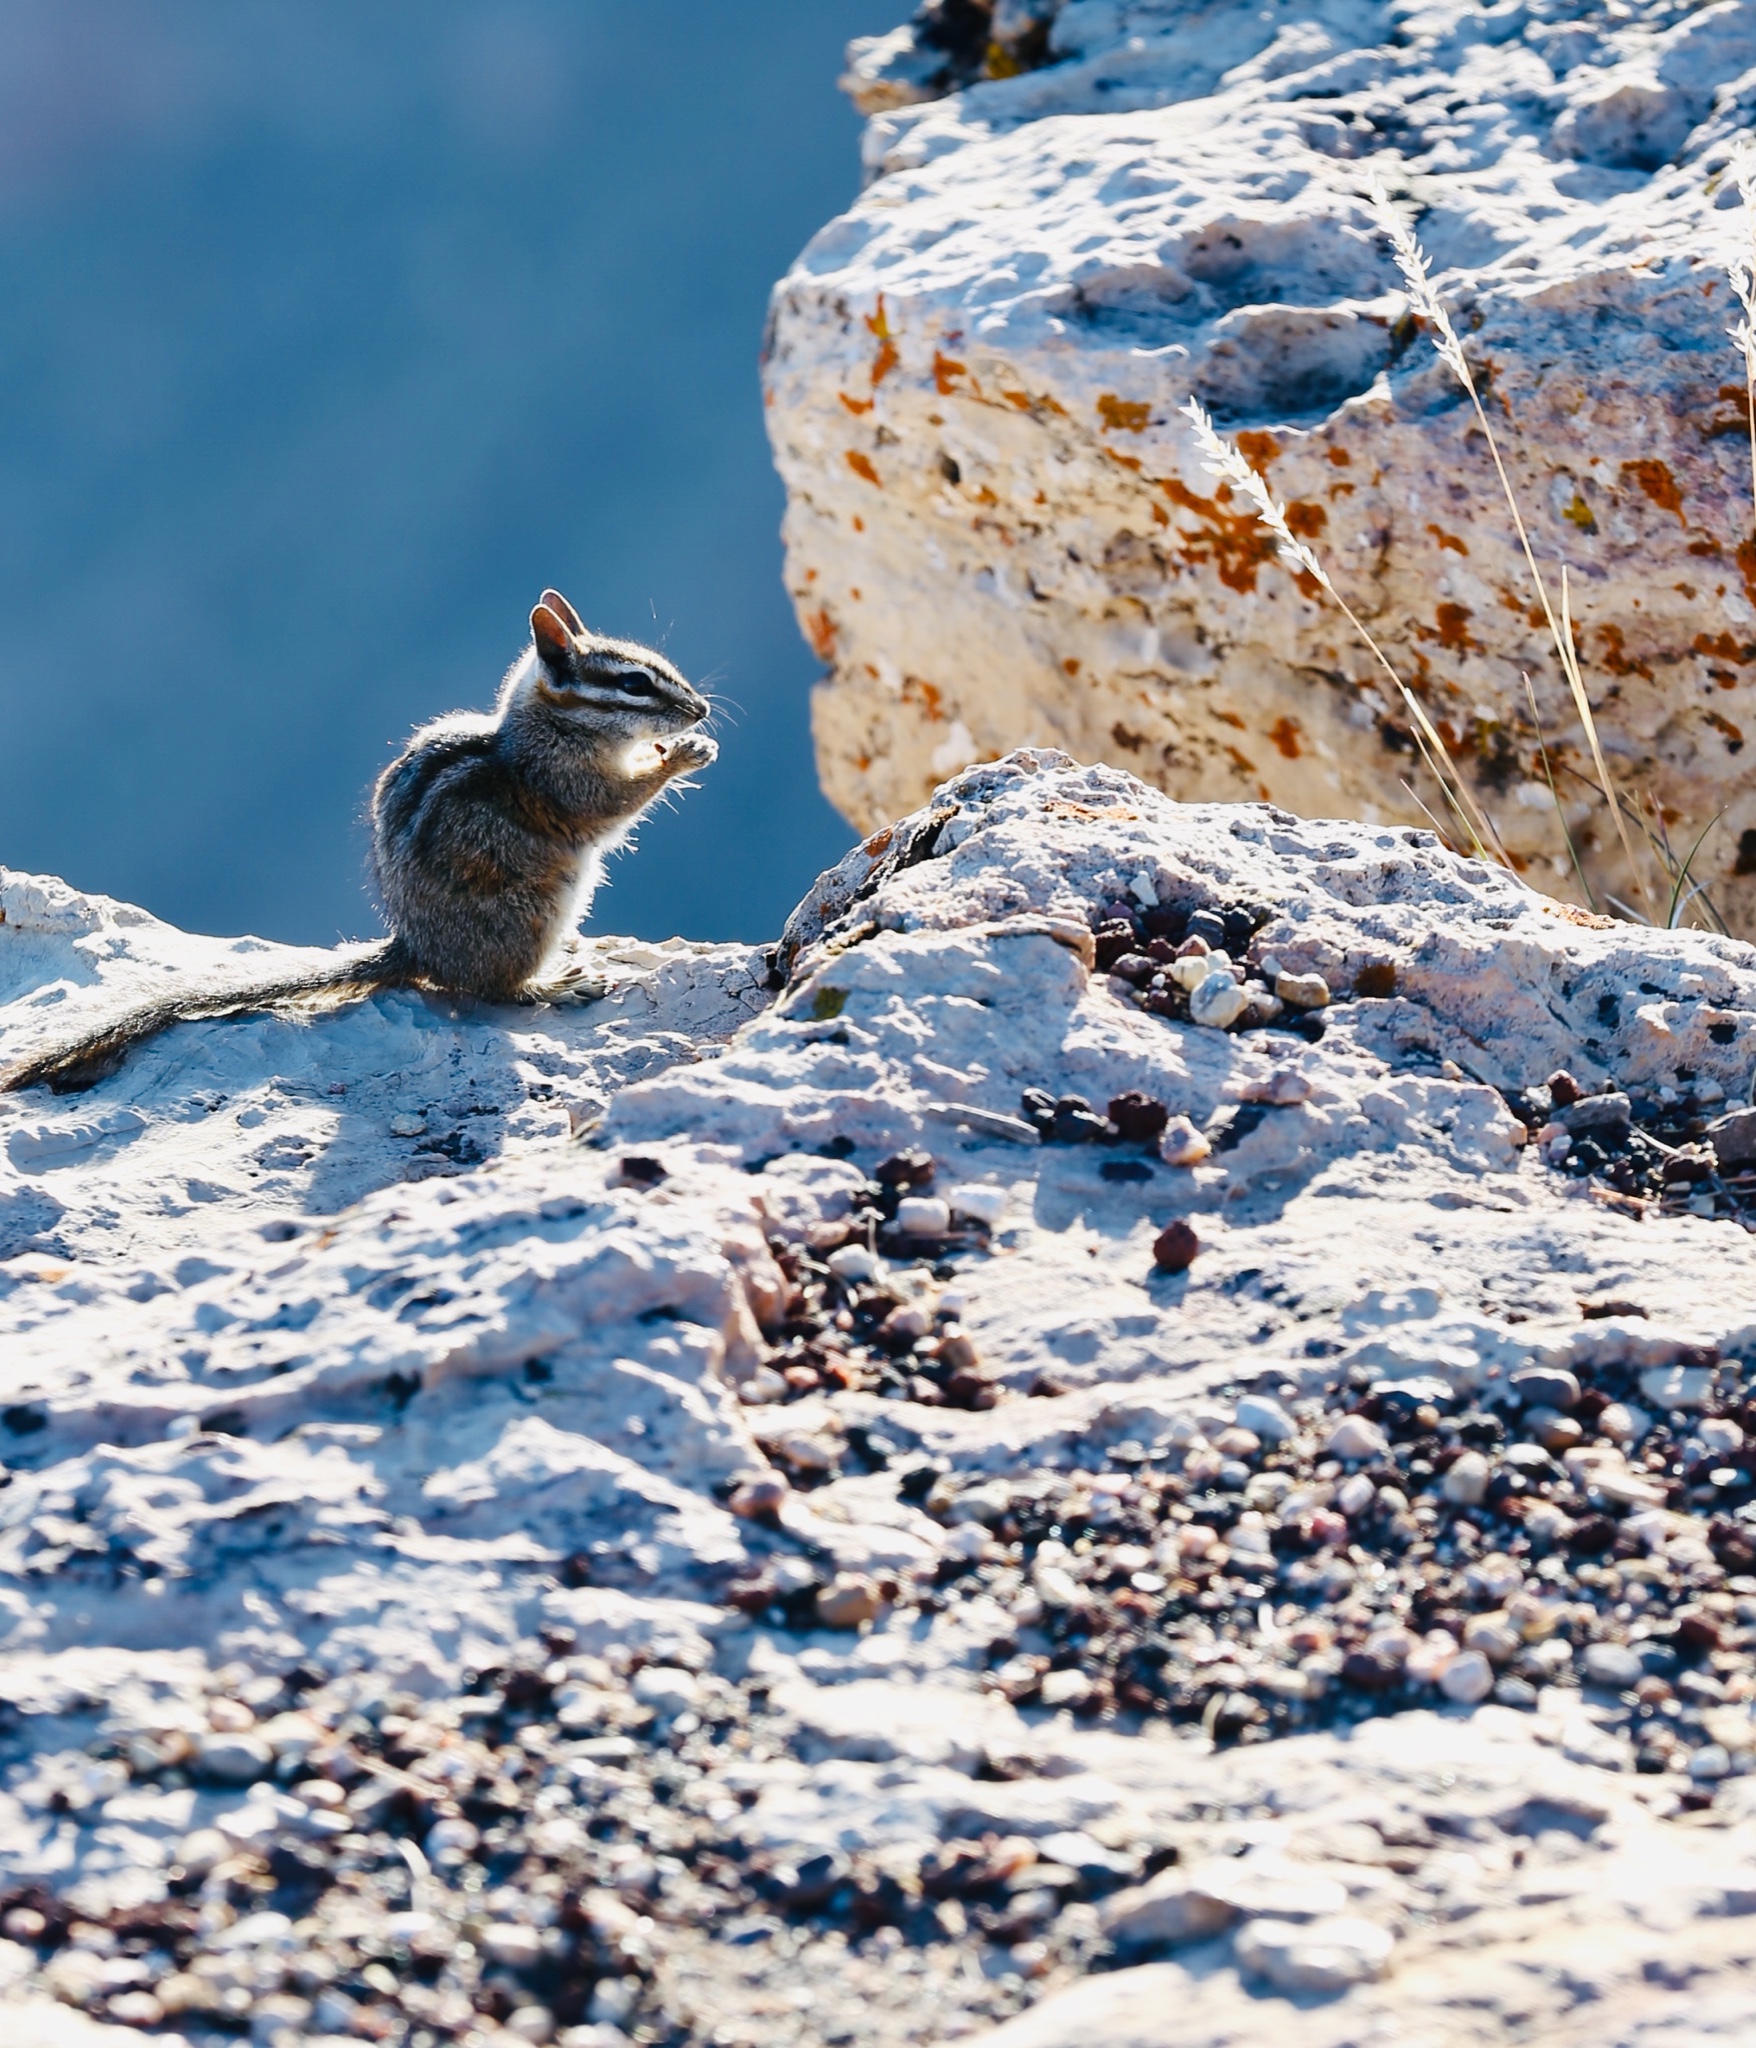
999,532
375,1565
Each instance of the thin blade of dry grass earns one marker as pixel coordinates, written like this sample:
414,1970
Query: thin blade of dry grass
1227,462
1555,795
1743,279
1412,262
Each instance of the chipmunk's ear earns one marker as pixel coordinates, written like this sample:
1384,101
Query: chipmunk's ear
562,610
554,643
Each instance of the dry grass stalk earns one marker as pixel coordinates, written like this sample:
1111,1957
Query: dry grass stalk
1226,462
1743,277
1412,262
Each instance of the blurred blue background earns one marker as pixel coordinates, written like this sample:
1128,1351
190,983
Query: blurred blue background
329,334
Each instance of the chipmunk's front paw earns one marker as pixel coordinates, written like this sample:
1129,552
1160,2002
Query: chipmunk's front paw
690,750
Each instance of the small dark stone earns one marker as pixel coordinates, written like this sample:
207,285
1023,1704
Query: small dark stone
641,1172
1239,926
809,1883
1139,1118
1697,1631
1113,939
1563,1089
1208,925
1734,1138
1077,1123
1368,1673
919,1480
1124,1171
1135,967
1603,1117
1376,979
906,1170
1175,1248
1593,1536
1236,1712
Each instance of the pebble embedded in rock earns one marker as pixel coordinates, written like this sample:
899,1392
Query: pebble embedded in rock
1734,1139
1167,1911
854,1262
1323,1958
849,1601
1175,1248
1355,1495
1302,991
923,1216
903,1170
514,1946
1218,1002
666,1687
1266,1418
1465,1483
1467,1678
1354,1439
1611,1665
1546,1386
761,1496
1182,1144
1138,1118
237,1759
1596,1116
983,1204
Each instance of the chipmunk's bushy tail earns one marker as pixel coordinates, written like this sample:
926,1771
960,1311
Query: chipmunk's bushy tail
82,1062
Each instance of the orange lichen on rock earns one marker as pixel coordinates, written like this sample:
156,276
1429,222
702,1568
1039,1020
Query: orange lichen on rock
820,631
855,405
1722,647
946,371
1656,480
861,465
1257,448
1285,735
1447,540
1732,735
1452,623
1617,659
1236,543
1124,415
928,696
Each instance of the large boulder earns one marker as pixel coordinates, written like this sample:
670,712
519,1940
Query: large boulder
1000,533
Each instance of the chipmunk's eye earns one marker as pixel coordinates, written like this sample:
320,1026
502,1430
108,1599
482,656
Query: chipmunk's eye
637,685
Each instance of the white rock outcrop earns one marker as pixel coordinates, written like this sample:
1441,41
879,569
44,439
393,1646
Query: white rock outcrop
999,532
384,1415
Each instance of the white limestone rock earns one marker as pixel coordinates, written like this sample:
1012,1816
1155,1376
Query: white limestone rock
999,532
372,1438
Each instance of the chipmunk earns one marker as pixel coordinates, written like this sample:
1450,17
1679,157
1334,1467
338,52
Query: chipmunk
488,838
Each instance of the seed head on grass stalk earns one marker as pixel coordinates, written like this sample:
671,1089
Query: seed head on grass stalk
1226,462
1412,262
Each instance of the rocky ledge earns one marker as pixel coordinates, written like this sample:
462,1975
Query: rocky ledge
999,532
1143,1431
